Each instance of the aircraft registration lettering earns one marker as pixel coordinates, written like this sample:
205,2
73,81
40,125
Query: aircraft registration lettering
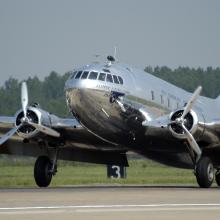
103,87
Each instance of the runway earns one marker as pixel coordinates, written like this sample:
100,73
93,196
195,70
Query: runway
106,203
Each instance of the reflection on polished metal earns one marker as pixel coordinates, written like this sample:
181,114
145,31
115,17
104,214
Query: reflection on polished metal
117,108
132,113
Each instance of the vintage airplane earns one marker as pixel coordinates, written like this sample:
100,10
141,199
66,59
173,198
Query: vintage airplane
116,109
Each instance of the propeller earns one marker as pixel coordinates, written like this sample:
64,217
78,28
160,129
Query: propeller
25,120
192,142
191,102
180,122
10,133
24,98
24,102
45,129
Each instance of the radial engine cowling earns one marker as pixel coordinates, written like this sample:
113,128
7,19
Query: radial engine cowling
191,122
35,115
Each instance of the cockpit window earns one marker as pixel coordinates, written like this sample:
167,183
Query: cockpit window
93,75
109,78
120,80
115,79
85,74
102,76
78,75
73,74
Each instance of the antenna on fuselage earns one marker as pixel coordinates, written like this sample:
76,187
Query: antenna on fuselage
112,59
115,52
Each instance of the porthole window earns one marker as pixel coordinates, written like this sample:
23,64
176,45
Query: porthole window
152,95
168,102
161,99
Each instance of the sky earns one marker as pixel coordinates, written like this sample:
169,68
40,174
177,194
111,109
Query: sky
40,36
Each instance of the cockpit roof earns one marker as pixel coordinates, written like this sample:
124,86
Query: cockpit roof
116,68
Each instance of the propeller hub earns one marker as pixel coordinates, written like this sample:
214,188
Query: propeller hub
178,122
24,120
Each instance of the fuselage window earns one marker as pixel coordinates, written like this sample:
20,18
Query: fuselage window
78,75
168,102
73,74
120,80
115,79
93,75
161,99
109,78
85,74
102,76
152,95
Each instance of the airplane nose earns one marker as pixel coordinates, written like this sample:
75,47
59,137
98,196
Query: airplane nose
83,103
87,106
72,99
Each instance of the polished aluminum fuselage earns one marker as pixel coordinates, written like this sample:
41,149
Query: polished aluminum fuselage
145,98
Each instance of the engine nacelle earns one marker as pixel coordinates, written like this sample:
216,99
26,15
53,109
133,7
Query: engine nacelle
35,115
190,121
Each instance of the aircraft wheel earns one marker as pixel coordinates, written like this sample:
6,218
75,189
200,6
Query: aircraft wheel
205,172
217,177
42,172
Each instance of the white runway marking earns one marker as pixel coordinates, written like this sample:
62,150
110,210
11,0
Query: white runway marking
110,208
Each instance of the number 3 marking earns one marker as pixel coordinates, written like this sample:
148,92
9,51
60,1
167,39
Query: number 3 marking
117,171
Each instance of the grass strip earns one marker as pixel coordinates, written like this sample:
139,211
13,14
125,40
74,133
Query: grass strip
139,172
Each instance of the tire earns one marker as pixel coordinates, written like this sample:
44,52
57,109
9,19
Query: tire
42,175
217,177
205,172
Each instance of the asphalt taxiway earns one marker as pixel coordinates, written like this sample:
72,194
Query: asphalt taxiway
104,202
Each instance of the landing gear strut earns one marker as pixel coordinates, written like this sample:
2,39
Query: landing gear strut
44,169
204,172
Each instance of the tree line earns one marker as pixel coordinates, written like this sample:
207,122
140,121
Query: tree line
49,93
189,78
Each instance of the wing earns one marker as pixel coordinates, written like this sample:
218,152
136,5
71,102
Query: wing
75,143
188,126
182,124
33,131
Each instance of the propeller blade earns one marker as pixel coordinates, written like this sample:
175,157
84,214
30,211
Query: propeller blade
44,129
191,102
24,98
192,142
10,133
